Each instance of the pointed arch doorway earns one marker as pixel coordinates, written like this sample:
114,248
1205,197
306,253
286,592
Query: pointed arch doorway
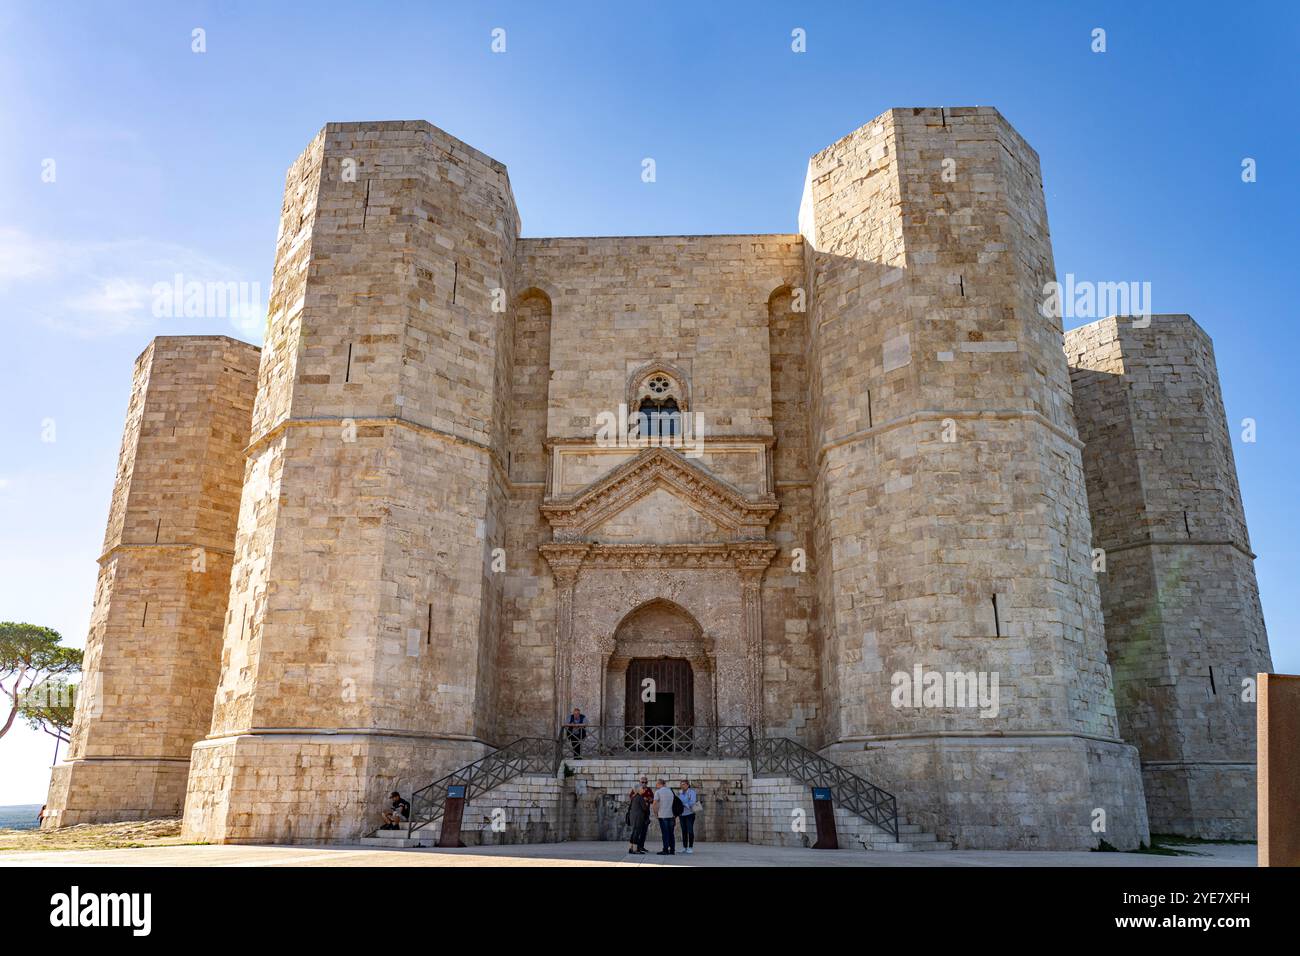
660,671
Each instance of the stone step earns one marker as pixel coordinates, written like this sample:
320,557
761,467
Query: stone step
912,847
389,834
402,842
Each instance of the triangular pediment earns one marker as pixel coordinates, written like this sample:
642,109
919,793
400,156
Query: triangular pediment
661,517
668,498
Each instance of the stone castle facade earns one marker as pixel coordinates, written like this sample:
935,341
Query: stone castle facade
400,534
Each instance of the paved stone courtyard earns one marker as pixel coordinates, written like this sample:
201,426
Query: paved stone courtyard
605,853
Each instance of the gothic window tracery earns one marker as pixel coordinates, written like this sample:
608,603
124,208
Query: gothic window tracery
658,403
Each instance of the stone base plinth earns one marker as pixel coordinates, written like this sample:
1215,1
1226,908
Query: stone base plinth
1211,801
309,787
112,789
1045,792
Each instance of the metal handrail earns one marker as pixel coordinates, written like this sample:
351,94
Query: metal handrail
781,755
584,741
525,755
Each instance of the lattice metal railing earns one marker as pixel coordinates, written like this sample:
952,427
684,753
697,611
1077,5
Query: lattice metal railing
525,755
781,755
587,741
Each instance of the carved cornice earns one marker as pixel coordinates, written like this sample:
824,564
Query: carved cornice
573,517
748,557
767,441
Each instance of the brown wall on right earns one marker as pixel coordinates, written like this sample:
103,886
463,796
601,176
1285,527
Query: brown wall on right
1184,626
1279,770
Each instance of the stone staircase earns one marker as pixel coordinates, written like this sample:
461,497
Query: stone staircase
779,804
586,800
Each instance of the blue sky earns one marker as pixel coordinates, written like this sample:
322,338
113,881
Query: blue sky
167,160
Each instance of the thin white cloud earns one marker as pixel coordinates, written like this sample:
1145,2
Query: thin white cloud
92,289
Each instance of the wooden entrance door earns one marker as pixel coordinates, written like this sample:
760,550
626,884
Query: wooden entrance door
672,676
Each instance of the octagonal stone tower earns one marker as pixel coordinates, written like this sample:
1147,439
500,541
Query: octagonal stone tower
951,517
155,632
1183,619
358,647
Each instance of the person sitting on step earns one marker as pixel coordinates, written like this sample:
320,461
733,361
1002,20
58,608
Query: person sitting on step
396,813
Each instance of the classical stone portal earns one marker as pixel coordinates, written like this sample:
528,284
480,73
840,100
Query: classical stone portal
478,479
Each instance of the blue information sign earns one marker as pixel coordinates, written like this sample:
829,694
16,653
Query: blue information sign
821,793
459,791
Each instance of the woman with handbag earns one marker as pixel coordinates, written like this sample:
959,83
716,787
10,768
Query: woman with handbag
638,815
690,803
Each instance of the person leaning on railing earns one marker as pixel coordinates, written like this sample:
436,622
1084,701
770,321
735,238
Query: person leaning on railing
575,731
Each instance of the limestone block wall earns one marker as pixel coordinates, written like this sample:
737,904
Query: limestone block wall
363,611
595,797
525,664
1183,618
155,633
719,309
950,513
524,810
699,303
791,667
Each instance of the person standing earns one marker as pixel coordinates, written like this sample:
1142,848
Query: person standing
690,801
638,815
663,811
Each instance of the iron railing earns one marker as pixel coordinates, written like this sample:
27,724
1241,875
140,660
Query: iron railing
766,755
782,756
588,741
525,755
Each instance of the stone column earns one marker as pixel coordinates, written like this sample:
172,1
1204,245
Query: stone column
564,582
751,596
565,560
752,561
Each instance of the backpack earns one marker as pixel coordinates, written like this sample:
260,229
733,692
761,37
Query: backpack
678,806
